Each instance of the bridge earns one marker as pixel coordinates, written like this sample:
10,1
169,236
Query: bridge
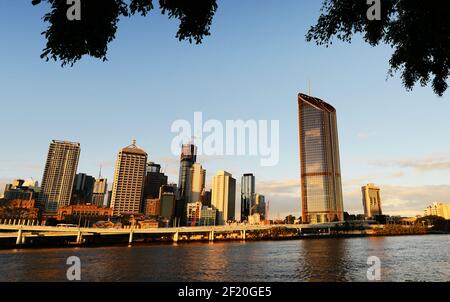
23,231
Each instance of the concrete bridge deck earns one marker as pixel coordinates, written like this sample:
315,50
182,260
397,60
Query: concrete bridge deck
23,231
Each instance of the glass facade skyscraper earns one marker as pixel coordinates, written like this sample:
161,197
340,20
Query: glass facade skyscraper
321,185
187,159
247,195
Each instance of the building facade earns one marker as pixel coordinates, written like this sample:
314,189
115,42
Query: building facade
85,210
129,176
371,198
223,196
321,186
152,207
83,187
208,216
188,157
20,189
100,191
247,195
197,183
260,206
59,175
438,209
193,213
154,180
167,197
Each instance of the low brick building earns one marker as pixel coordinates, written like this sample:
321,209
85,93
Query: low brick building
83,210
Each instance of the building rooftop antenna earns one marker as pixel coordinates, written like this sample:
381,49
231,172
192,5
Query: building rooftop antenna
309,87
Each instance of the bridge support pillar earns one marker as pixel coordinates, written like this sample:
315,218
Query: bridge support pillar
130,240
79,237
19,237
175,237
211,236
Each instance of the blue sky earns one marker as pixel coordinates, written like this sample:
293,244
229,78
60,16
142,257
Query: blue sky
251,67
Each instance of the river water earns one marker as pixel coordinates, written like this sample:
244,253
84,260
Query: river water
404,258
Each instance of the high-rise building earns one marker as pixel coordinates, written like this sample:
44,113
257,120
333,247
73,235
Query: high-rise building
188,157
154,180
196,183
100,191
321,185
260,206
371,198
82,189
167,197
438,209
247,195
223,196
129,176
206,198
59,176
108,199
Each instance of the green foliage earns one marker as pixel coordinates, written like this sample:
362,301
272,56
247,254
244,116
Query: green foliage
417,30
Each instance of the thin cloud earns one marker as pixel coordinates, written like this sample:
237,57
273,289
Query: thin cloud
427,164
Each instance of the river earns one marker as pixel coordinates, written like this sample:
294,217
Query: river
402,258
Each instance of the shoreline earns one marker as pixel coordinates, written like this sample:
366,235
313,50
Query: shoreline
117,243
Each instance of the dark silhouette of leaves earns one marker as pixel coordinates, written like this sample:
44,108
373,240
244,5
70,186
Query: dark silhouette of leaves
69,40
417,30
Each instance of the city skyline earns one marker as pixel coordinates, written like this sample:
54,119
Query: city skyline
402,151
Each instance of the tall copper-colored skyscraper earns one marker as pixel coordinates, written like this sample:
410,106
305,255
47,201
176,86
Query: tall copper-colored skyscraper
129,176
319,161
59,175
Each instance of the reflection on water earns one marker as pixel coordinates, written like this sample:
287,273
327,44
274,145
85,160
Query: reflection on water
409,258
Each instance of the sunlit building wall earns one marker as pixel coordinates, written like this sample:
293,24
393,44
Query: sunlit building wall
129,176
321,186
438,209
371,200
59,175
223,196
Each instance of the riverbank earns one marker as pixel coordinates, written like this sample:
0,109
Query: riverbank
272,235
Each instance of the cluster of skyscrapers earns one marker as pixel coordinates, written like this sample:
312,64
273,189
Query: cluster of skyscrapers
140,188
